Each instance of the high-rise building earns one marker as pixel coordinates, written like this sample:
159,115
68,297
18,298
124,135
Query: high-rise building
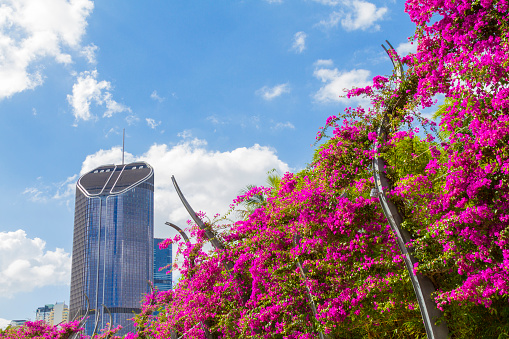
162,258
44,312
112,258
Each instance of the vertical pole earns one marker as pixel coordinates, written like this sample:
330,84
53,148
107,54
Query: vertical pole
423,287
123,145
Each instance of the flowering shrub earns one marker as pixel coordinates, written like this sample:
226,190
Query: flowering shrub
40,330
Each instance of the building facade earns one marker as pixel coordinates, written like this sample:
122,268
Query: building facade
162,258
44,313
112,256
59,314
16,323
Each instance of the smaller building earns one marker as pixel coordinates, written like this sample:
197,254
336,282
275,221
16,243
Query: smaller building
59,314
43,313
15,323
162,258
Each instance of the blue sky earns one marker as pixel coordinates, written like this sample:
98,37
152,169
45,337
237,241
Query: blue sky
215,92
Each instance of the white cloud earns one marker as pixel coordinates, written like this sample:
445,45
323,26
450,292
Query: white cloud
113,131
214,119
363,16
333,20
337,81
105,157
405,48
89,53
156,96
4,323
354,15
283,125
64,59
59,191
31,30
67,188
25,264
87,90
325,63
185,134
299,42
35,194
131,119
274,1
269,93
152,123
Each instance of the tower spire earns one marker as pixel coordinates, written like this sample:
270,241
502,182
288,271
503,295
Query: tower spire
123,145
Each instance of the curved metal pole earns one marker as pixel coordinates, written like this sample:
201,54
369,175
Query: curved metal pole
296,241
97,316
173,333
423,287
111,320
84,319
178,229
211,236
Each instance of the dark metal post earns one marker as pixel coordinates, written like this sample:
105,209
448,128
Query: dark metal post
191,262
83,320
296,242
422,285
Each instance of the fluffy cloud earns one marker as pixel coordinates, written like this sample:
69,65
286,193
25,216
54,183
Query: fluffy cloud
332,21
283,125
25,264
89,53
105,157
269,93
363,16
210,180
337,81
87,90
156,96
152,123
34,29
325,63
299,42
405,48
132,119
354,15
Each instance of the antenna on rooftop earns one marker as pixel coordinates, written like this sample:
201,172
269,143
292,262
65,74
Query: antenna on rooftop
123,145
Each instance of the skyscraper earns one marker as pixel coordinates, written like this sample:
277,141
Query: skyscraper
112,258
162,258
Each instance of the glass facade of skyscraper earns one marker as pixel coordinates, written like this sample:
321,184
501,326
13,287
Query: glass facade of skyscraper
162,273
112,258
